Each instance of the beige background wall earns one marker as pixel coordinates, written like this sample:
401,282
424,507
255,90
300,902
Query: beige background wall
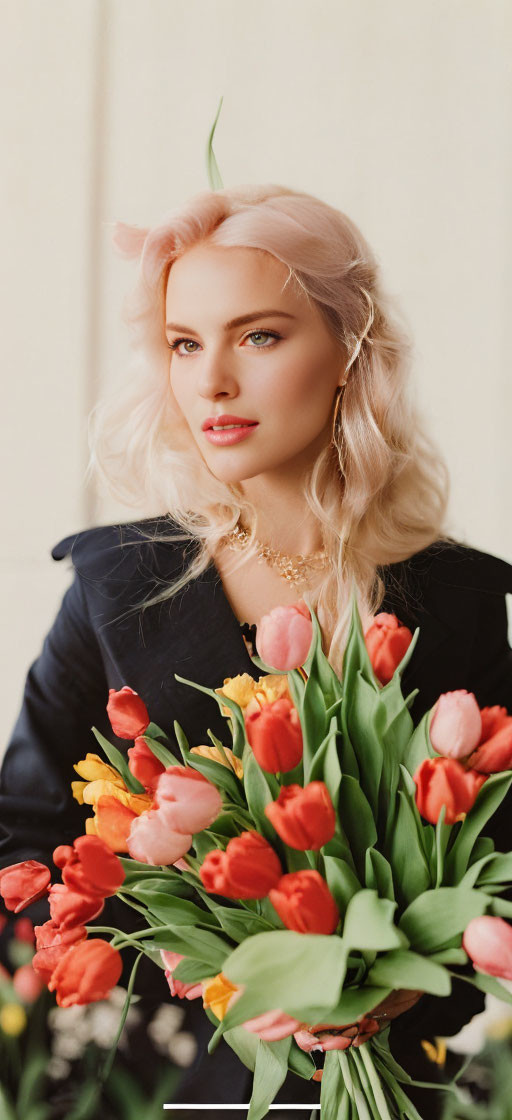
397,113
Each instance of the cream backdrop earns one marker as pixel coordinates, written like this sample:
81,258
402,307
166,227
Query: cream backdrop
396,112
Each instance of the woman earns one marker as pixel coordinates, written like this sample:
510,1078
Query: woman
266,417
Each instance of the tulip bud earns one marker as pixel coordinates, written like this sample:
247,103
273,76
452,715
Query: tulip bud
444,781
456,725
144,765
284,635
86,973
488,942
275,735
387,642
190,800
248,868
494,751
304,903
303,817
127,713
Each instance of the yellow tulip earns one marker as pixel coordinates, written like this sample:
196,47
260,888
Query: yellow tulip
13,1019
436,1052
233,762
92,767
218,993
243,688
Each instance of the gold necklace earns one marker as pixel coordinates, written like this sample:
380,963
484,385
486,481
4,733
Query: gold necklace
294,569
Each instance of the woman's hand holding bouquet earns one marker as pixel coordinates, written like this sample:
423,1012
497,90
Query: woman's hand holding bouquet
310,881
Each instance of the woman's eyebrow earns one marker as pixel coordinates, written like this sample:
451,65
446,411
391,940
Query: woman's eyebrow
239,322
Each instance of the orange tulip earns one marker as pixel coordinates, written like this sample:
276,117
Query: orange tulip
52,942
303,817
275,735
494,750
127,713
23,883
86,973
71,908
90,866
246,869
144,765
304,903
444,781
387,642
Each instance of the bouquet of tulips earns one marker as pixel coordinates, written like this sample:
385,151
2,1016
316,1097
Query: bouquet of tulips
309,881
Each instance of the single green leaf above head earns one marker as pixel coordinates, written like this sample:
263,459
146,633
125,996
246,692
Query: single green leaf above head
212,167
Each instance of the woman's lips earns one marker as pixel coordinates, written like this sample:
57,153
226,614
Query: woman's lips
230,435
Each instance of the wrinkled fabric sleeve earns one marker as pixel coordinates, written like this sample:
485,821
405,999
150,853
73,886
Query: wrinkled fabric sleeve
65,695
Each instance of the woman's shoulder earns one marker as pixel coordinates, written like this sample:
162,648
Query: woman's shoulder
125,550
429,579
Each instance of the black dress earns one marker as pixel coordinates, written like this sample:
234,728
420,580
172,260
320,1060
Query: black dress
455,593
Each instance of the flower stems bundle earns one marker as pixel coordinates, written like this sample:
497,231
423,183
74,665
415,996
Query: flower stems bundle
310,880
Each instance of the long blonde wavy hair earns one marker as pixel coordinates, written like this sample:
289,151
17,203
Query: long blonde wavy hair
379,490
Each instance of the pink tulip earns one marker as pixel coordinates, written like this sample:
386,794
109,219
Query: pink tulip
191,802
27,984
178,987
324,1040
456,725
488,941
284,635
272,1025
152,840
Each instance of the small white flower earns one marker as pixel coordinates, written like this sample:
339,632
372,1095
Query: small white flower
58,1068
182,1048
165,1023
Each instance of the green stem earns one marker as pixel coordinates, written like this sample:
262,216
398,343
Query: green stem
375,1081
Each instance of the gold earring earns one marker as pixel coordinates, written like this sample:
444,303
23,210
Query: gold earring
337,410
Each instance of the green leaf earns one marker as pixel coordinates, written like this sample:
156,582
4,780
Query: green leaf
260,789
163,754
245,1045
419,746
355,1002
369,923
191,971
269,963
118,761
325,765
212,167
357,821
341,880
200,944
378,874
300,1062
269,1073
404,969
437,916
497,869
411,873
488,799
331,1087
168,907
216,773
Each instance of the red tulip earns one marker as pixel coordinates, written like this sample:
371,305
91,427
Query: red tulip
494,750
87,972
444,781
72,908
52,942
89,867
284,635
275,735
144,765
387,641
456,724
248,868
23,883
304,903
488,941
127,713
303,817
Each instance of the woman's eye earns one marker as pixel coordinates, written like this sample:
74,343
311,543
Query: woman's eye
253,335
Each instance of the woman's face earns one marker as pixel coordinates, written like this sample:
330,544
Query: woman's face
279,370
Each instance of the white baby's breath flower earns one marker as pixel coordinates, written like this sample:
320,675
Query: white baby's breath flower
165,1023
58,1068
182,1048
473,1036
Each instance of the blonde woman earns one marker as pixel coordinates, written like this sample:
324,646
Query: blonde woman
268,428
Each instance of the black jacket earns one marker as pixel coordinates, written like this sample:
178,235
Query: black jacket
455,593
